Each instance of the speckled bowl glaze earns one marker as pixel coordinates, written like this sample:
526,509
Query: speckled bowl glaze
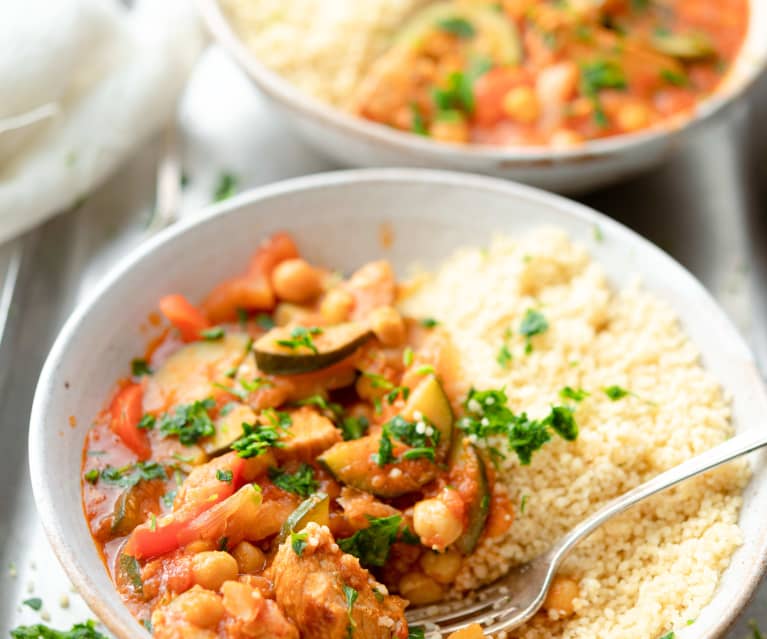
354,141
337,219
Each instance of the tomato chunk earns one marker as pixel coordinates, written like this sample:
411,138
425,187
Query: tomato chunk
276,249
126,412
491,88
186,317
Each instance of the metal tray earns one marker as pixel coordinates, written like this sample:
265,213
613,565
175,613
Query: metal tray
705,207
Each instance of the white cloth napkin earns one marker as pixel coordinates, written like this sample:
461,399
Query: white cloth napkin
82,83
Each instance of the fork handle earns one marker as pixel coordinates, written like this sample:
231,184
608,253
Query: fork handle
732,448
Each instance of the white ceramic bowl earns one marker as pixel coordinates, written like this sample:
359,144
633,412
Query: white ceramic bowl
336,219
354,141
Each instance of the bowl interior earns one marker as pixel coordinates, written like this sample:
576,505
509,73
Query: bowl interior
337,220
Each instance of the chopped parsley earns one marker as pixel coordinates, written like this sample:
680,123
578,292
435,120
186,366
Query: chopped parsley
380,382
242,317
598,235
533,323
615,392
212,334
92,476
301,482
420,435
130,567
223,543
227,408
575,394
504,356
256,440
599,75
674,78
34,602
669,635
265,321
147,422
429,322
85,630
298,542
301,337
354,427
190,422
168,499
225,188
755,632
131,474
277,419
523,504
224,475
459,27
487,414
417,122
331,409
351,596
416,632
426,369
407,356
140,367
371,545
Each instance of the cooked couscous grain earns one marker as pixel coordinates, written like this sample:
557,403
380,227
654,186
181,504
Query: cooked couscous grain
324,47
653,568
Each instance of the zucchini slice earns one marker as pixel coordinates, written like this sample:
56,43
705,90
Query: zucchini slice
683,46
315,508
187,375
281,351
353,464
228,429
134,505
494,36
429,399
469,475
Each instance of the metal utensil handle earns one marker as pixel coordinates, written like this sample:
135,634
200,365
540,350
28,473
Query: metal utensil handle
732,448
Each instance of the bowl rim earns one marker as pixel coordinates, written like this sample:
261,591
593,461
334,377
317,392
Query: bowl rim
45,492
307,106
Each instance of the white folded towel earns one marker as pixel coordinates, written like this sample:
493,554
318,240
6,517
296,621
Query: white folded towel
82,83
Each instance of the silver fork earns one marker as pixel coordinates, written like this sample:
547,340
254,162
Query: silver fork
516,597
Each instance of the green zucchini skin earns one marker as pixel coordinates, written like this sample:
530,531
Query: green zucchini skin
334,344
430,400
467,460
314,508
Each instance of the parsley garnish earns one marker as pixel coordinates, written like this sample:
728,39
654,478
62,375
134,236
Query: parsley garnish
380,382
533,323
224,475
92,476
131,474
598,75
429,322
417,122
371,545
351,596
190,422
34,602
576,394
421,435
756,633
674,78
669,635
212,334
85,630
301,336
408,356
298,542
523,503
227,408
487,414
354,427
459,27
168,498
226,187
504,356
147,422
615,392
301,482
416,632
130,567
458,94
265,321
140,367
256,440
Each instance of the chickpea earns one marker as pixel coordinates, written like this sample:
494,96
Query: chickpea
419,589
212,568
633,116
521,104
436,524
474,631
296,281
388,326
561,595
250,559
442,567
336,305
200,607
199,545
450,130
